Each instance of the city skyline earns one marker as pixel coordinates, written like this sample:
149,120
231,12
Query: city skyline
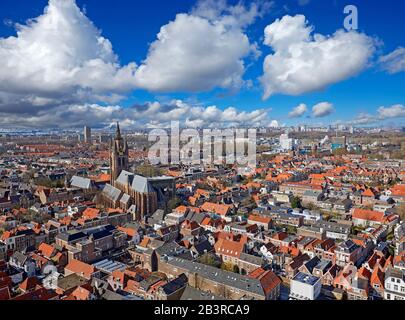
86,65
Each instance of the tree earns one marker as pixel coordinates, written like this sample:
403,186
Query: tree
209,259
227,266
340,152
173,204
311,206
391,250
249,201
147,170
296,202
160,275
28,176
289,229
48,183
32,216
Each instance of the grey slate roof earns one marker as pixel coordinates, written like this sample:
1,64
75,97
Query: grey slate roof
311,264
71,236
312,193
115,296
142,185
251,259
169,248
111,192
195,216
158,215
71,281
19,257
220,276
139,183
125,198
79,182
348,246
323,265
333,227
203,246
112,296
191,293
175,284
125,177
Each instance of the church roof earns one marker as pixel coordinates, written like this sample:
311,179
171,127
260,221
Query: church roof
80,182
112,192
125,177
142,185
125,198
139,183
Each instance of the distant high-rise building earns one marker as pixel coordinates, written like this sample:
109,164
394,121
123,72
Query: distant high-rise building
103,138
87,135
304,128
342,127
286,143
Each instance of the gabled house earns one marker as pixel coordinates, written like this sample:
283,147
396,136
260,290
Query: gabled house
23,262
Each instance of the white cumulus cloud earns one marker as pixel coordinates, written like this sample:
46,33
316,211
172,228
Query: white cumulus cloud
394,62
304,62
61,58
395,111
322,109
298,111
363,118
201,50
274,124
60,54
151,114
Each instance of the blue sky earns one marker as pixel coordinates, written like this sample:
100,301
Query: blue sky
131,27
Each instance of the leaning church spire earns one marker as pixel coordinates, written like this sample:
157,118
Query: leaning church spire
119,155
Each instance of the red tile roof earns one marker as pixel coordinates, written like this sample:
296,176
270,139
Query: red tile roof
377,277
259,219
91,213
268,279
369,215
364,273
190,225
81,293
29,284
38,294
229,248
220,209
46,250
83,269
4,293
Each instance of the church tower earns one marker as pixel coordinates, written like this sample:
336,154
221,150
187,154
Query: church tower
119,155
